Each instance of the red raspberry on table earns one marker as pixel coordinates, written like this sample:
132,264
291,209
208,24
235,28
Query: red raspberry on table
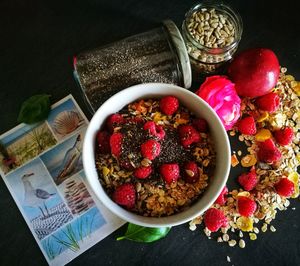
155,130
191,172
169,105
247,125
221,200
284,136
200,124
143,172
170,172
268,152
113,121
116,144
150,149
125,195
285,187
249,180
269,102
188,135
103,142
246,206
214,219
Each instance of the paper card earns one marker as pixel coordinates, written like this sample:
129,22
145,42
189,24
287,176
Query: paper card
41,165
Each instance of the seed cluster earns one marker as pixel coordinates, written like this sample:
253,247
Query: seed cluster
211,28
268,201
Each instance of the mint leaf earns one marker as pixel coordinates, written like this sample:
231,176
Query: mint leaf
35,109
144,234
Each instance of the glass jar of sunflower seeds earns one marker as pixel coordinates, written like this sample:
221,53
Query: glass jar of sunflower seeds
212,32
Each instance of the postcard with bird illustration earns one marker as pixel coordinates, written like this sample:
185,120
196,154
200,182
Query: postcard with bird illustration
41,165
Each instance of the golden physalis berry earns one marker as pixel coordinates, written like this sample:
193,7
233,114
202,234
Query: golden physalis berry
263,134
245,224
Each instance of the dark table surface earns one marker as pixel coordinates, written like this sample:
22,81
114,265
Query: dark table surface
38,40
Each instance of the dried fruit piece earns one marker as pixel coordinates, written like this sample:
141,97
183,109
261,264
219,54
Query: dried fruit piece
150,149
263,134
125,195
285,187
263,116
248,160
169,105
246,206
244,223
234,160
294,177
170,172
284,136
269,102
214,219
247,125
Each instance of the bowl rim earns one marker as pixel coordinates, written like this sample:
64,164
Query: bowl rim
88,154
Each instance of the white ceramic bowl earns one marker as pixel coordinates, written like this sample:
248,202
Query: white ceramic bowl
199,108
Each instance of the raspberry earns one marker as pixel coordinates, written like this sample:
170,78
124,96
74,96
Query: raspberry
125,163
200,124
125,195
249,180
150,149
103,142
191,172
246,206
188,135
143,172
285,187
247,126
214,219
284,136
169,105
268,152
114,120
116,144
170,172
221,200
155,130
269,102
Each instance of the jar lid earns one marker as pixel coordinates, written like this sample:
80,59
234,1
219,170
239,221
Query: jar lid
180,47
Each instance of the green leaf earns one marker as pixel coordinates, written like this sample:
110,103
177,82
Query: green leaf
35,109
144,234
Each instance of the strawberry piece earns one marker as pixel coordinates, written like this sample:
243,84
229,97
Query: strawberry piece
150,149
125,195
188,135
246,206
170,172
113,121
285,187
103,142
214,219
191,172
116,144
268,152
143,172
247,125
155,130
169,105
200,124
221,200
284,136
249,180
269,102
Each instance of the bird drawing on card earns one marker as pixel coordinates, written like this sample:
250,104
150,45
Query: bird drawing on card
35,197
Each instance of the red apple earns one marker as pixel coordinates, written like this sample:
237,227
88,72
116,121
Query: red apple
254,71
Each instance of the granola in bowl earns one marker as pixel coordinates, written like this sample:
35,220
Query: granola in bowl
155,157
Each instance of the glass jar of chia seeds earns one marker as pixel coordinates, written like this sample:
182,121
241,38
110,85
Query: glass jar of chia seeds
158,55
212,32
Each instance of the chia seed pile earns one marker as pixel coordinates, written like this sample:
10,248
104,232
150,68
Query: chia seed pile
155,197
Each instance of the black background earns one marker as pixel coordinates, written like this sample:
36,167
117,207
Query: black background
37,42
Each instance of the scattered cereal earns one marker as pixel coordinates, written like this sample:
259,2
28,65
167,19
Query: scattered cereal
242,243
272,229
